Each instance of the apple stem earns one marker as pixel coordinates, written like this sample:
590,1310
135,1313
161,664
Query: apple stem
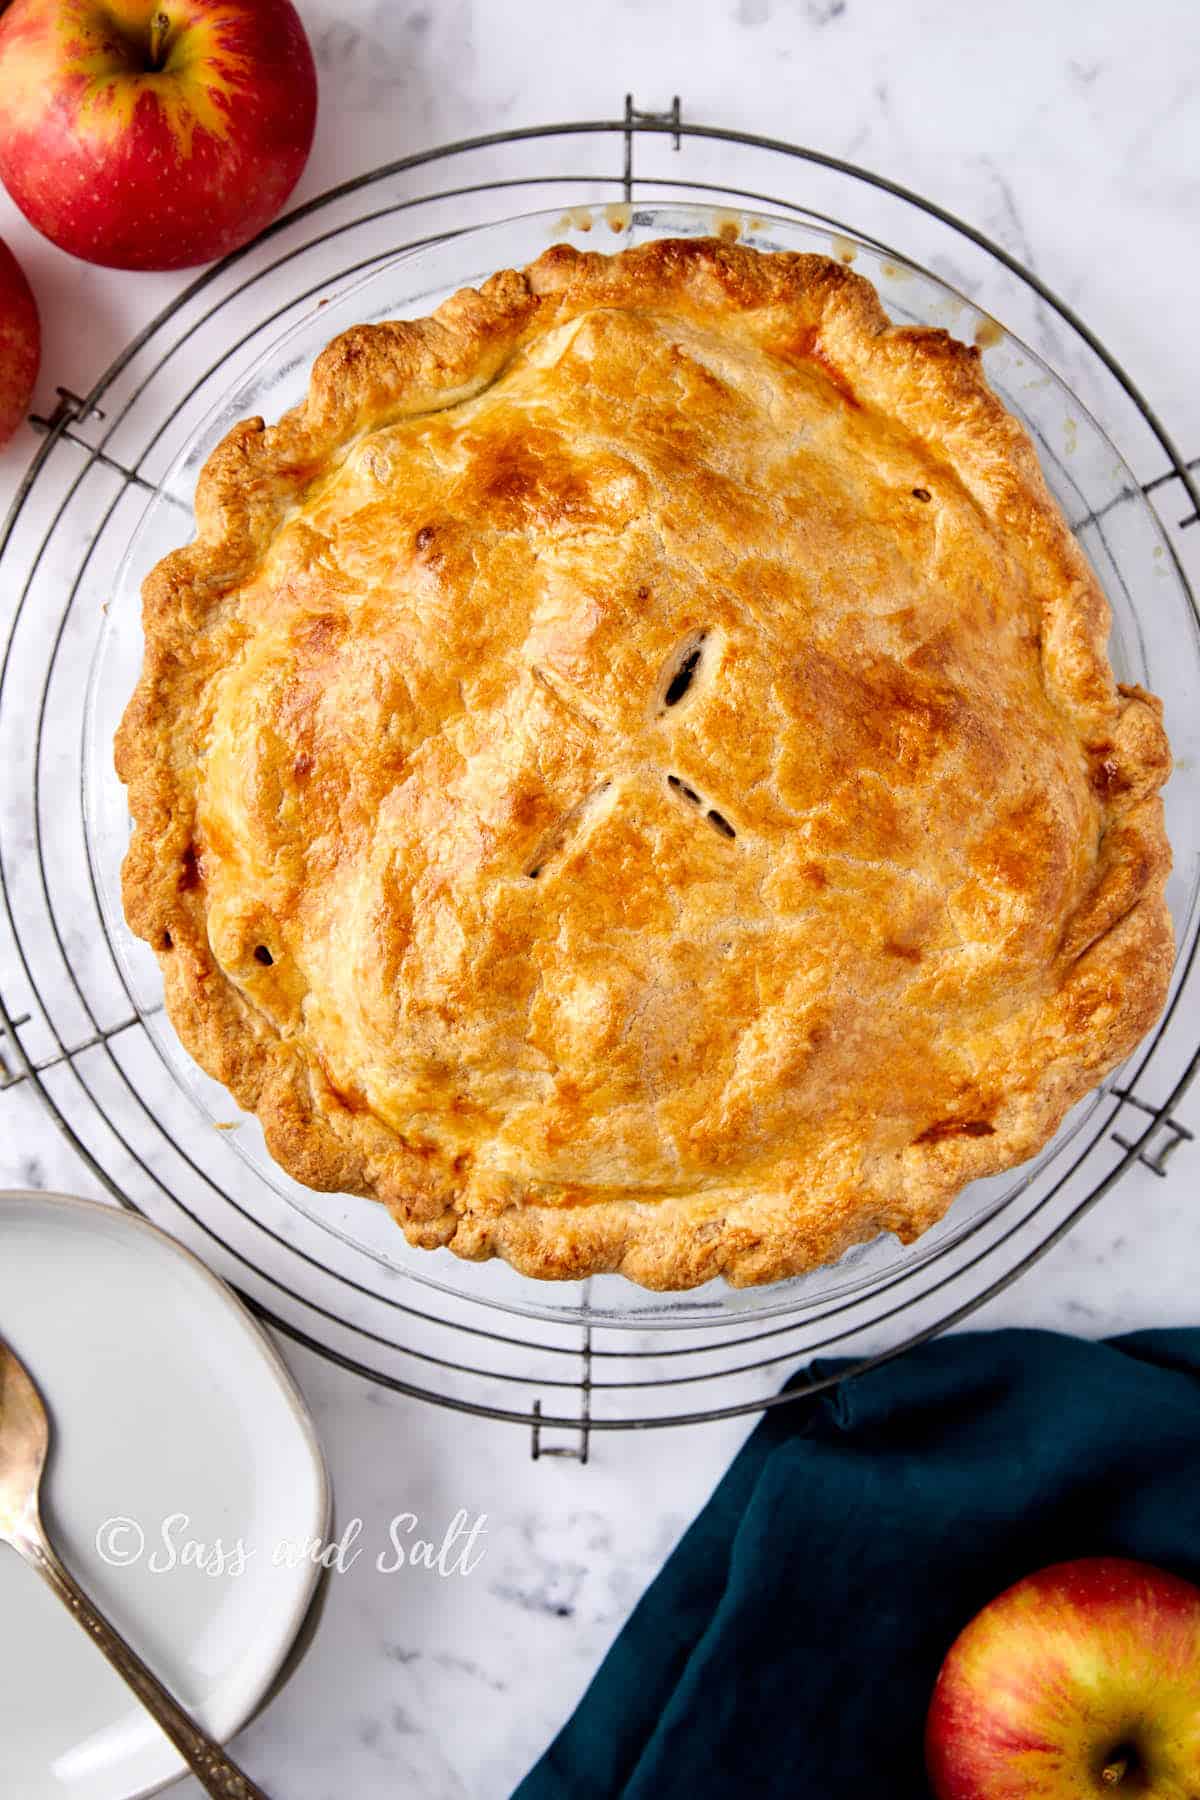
1113,1773
160,29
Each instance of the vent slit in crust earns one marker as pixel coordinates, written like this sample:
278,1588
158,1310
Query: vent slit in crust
557,838
681,787
683,670
716,819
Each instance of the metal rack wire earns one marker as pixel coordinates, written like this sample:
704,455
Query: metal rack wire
73,1030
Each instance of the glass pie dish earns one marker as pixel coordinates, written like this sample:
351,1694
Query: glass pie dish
1100,496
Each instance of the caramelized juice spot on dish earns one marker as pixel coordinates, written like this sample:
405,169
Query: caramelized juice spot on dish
988,333
576,218
844,248
618,215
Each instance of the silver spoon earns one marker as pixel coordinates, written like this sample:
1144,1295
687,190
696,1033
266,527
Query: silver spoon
24,1441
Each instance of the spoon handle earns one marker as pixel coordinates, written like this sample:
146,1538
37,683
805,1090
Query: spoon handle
214,1770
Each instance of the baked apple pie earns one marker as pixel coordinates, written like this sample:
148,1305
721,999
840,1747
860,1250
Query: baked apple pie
628,774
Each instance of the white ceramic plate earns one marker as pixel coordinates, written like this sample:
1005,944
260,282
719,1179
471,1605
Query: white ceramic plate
165,1399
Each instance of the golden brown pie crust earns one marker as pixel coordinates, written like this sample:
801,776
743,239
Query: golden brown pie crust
497,901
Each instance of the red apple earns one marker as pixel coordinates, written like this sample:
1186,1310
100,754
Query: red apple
152,134
1083,1679
20,343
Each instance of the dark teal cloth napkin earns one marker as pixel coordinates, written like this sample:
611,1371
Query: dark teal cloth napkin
790,1644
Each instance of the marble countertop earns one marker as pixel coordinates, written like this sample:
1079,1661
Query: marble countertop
1073,138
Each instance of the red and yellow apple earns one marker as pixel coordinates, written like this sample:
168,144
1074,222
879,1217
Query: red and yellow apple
153,134
1083,1679
20,343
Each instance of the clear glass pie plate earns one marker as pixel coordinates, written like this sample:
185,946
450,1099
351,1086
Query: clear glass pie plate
1154,642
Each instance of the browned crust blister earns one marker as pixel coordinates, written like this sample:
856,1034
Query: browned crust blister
1114,961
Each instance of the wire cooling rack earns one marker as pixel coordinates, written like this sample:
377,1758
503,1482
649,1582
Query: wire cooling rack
72,1027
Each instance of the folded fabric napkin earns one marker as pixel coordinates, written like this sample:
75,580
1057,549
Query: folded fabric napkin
790,1645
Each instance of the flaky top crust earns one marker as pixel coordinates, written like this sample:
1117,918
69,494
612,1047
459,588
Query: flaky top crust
628,773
